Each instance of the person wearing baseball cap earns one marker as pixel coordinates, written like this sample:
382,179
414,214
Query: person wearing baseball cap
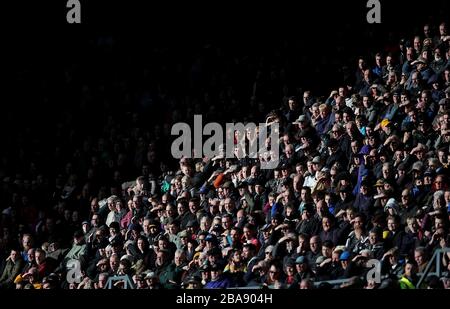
303,270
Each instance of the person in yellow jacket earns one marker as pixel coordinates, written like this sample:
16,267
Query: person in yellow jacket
409,278
235,263
31,277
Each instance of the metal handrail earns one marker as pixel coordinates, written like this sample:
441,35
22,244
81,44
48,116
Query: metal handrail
435,258
423,275
128,284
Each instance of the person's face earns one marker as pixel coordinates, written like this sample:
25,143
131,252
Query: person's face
226,223
438,223
193,207
326,252
268,255
114,262
447,196
173,229
14,255
234,236
426,31
246,253
427,180
378,60
315,167
201,240
439,183
181,209
354,147
315,112
392,225
141,245
348,129
419,182
102,281
274,273
103,267
364,190
213,209
248,233
146,227
229,205
179,259
326,224
160,258
442,157
162,244
358,222
30,255
205,224
361,64
26,242
392,259
206,276
289,211
442,30
409,270
266,234
305,97
300,267
405,197
304,194
184,240
417,43
136,203
373,238
123,269
335,256
386,172
236,257
292,104
215,274
40,257
290,271
111,206
412,224
194,286
304,285
134,234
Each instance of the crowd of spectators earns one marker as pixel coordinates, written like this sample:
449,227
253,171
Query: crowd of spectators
363,178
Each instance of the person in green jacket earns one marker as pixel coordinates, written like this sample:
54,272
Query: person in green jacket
14,265
172,275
